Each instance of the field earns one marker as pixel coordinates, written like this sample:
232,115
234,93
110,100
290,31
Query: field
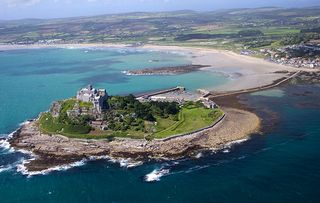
216,29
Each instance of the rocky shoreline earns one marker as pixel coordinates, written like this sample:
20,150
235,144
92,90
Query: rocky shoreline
56,150
174,70
311,77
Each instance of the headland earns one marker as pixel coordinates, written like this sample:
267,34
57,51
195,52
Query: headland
55,139
95,124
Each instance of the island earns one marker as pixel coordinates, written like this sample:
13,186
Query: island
94,114
174,70
95,124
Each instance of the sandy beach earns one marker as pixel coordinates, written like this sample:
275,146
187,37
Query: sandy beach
244,72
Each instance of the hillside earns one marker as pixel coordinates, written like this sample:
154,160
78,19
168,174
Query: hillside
231,29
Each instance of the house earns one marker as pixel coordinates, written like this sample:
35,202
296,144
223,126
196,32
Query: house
209,104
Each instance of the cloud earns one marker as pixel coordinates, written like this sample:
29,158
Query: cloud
13,3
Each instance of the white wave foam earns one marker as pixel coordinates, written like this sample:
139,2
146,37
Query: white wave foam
24,123
5,168
129,163
26,152
238,141
126,163
10,166
5,145
93,158
11,134
20,125
226,151
22,168
156,175
199,155
230,144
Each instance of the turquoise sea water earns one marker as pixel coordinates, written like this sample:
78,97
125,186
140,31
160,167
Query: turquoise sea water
281,165
32,79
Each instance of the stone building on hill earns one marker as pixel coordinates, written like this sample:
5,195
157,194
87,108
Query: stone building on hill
97,97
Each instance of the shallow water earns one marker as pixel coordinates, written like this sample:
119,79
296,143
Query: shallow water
270,93
32,79
281,165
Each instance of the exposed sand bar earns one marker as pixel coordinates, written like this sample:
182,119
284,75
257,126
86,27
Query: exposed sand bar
245,71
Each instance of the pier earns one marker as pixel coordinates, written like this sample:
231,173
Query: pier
150,94
274,84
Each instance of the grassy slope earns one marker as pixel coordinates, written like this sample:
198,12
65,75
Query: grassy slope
50,125
190,119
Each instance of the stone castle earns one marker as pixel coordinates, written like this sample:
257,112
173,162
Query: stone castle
97,97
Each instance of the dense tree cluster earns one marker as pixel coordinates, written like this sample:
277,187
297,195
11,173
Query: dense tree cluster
299,38
127,112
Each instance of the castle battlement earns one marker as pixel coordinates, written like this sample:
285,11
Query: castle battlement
96,96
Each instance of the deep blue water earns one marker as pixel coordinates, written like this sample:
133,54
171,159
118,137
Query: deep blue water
280,165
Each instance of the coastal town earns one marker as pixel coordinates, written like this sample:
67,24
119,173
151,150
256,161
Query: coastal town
300,56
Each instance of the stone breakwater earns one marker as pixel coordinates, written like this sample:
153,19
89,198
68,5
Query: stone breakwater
54,150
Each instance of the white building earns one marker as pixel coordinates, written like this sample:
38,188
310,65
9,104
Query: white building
209,103
97,97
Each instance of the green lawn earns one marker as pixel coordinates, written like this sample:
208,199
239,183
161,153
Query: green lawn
86,105
164,123
68,105
190,119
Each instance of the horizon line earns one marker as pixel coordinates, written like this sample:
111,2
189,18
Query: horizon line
164,11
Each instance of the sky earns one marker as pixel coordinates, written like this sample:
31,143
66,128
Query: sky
20,9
